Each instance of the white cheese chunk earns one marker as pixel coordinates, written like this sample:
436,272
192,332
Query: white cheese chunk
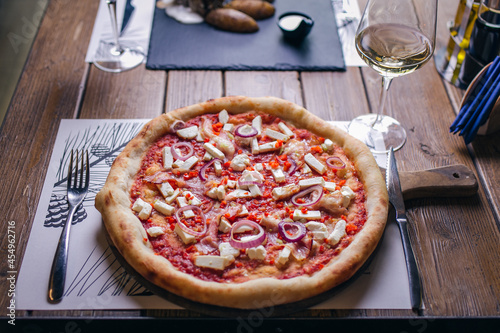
174,195
281,193
278,175
223,116
258,252
284,255
328,144
143,208
221,192
337,233
188,132
184,236
242,212
177,163
188,164
240,162
304,183
224,225
269,146
218,168
207,157
214,262
275,134
231,183
226,249
309,215
318,230
255,146
288,132
191,198
258,167
145,212
257,123
315,164
164,208
255,190
347,195
155,231
182,202
330,186
237,194
306,169
212,150
168,158
138,205
199,138
165,189
228,127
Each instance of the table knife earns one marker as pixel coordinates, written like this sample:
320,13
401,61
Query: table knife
396,199
129,8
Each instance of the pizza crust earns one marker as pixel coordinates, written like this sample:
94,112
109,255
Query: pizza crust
129,237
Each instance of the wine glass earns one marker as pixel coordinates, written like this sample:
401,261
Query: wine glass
114,57
394,37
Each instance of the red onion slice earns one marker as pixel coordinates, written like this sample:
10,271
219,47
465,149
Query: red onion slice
180,145
335,163
246,131
294,167
177,125
254,241
203,170
185,228
316,188
284,228
157,178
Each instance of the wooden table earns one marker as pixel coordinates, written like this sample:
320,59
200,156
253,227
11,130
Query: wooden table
456,240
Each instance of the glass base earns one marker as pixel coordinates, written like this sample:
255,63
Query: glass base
378,136
112,59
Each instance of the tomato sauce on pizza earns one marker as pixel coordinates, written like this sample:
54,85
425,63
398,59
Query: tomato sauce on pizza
231,198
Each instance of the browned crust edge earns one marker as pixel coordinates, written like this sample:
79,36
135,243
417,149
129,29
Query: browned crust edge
127,233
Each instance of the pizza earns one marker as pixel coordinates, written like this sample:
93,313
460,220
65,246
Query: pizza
244,203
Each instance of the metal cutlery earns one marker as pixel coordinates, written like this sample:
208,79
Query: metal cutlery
77,188
396,199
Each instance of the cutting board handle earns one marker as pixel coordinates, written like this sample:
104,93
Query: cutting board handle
449,181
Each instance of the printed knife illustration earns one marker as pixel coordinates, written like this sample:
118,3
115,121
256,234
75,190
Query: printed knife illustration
396,199
129,9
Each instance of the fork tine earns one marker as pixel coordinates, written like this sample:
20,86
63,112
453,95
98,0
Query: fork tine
87,173
81,171
75,180
70,169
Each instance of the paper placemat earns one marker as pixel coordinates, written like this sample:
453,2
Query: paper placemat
95,279
174,45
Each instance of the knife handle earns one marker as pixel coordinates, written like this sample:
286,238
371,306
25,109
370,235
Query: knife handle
449,181
411,266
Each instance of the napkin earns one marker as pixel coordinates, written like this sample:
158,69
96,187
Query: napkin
477,108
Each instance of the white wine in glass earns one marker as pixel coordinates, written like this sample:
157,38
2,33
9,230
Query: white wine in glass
394,37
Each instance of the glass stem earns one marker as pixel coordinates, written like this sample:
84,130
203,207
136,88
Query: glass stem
112,12
386,83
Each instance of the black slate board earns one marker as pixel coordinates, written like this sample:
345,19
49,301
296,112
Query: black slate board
181,46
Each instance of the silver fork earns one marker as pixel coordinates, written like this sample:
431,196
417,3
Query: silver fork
76,192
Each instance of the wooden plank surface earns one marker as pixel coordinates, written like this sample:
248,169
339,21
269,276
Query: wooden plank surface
456,240
47,92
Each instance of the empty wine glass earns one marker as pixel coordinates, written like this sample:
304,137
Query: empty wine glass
114,57
394,37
